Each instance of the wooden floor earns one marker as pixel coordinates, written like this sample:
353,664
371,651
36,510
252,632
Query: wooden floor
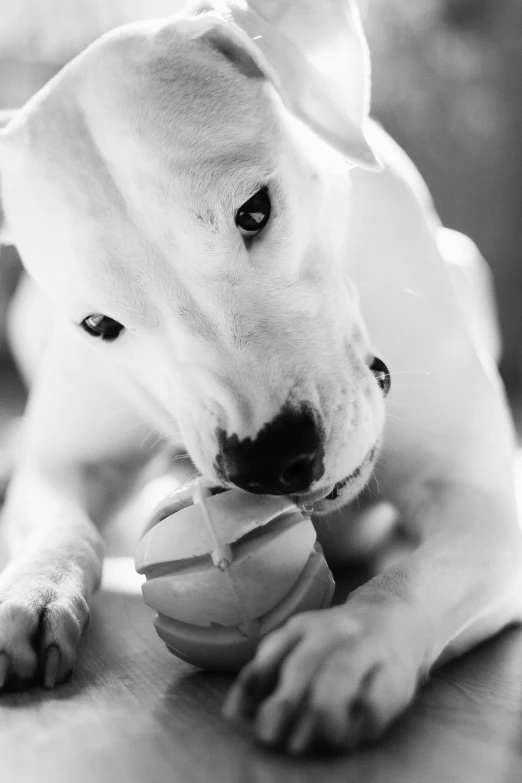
133,713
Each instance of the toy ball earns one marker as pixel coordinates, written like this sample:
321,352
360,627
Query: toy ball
223,570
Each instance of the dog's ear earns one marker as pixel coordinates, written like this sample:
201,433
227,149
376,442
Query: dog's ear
5,118
313,52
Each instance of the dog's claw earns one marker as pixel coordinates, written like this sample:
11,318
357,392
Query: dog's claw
243,697
40,627
52,665
301,735
4,667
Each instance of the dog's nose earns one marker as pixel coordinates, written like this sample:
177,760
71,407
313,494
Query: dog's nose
285,458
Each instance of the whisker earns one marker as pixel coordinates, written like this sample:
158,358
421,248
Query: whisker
396,403
409,372
383,458
374,477
411,422
149,435
178,457
393,416
371,285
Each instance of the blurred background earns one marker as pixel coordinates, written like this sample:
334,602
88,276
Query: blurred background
447,84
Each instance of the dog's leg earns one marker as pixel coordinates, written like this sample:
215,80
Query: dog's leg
76,417
55,566
340,676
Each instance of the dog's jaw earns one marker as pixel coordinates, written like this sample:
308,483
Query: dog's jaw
324,501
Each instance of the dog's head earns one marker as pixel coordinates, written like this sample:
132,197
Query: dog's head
177,193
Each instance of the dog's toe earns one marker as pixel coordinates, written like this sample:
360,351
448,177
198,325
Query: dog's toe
330,680
40,627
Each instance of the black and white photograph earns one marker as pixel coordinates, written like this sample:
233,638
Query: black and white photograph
260,391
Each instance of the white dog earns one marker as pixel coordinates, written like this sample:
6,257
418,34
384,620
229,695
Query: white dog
199,200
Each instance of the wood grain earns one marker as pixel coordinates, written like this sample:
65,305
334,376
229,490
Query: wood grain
133,712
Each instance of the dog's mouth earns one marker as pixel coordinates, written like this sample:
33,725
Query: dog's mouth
307,500
334,494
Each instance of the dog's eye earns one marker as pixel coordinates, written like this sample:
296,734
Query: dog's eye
102,326
253,215
382,375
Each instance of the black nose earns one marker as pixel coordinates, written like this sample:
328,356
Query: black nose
286,457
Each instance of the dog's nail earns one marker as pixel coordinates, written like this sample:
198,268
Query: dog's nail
238,704
251,685
243,697
270,724
52,664
300,737
232,707
358,724
4,667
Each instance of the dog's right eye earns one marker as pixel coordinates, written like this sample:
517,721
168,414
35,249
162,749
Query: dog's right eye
253,215
102,326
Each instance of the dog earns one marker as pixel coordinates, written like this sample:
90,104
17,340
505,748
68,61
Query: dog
222,246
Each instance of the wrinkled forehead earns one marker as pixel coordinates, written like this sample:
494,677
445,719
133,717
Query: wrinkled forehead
170,104
141,134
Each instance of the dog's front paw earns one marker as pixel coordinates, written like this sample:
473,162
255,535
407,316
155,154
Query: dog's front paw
42,617
328,680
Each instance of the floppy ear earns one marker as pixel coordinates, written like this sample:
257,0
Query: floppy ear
315,54
5,117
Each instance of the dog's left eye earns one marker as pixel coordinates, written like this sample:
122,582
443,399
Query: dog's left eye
102,326
253,215
382,375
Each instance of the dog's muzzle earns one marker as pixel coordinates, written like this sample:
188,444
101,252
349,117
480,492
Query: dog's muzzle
285,458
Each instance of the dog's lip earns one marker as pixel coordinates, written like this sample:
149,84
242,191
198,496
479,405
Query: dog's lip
307,499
